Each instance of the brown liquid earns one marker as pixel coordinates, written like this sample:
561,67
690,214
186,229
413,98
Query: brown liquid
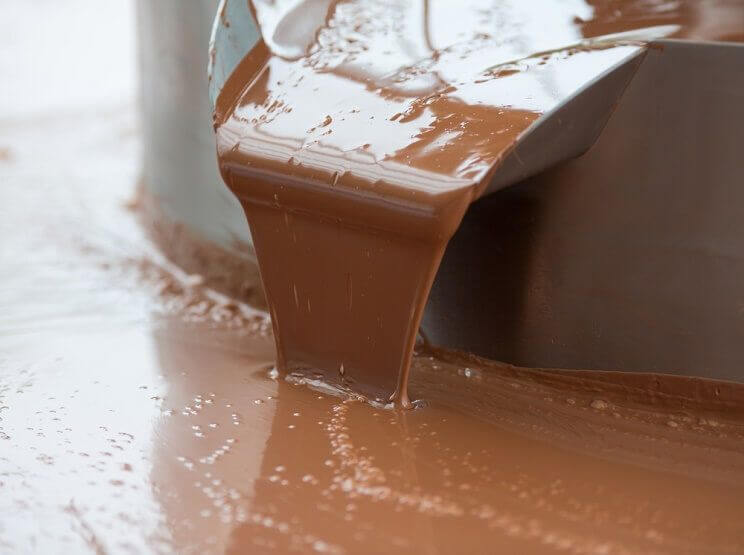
124,430
356,134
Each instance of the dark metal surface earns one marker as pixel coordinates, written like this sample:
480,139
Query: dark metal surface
570,129
628,258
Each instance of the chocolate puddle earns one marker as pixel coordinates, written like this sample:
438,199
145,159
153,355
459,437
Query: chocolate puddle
356,134
502,459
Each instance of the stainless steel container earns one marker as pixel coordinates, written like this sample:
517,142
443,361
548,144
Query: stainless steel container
630,257
189,211
180,164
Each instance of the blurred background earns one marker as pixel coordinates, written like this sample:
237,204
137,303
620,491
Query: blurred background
64,58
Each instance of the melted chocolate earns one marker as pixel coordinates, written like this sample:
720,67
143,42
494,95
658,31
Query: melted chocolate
356,134
144,417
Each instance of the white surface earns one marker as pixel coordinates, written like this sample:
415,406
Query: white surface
65,56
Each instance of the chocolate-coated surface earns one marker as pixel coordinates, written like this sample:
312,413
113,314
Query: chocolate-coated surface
356,134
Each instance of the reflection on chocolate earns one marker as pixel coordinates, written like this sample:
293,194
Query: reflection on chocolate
356,134
184,442
500,458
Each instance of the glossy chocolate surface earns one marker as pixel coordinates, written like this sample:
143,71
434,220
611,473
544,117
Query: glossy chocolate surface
356,134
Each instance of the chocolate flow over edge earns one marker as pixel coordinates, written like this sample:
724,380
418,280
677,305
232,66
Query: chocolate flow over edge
356,155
